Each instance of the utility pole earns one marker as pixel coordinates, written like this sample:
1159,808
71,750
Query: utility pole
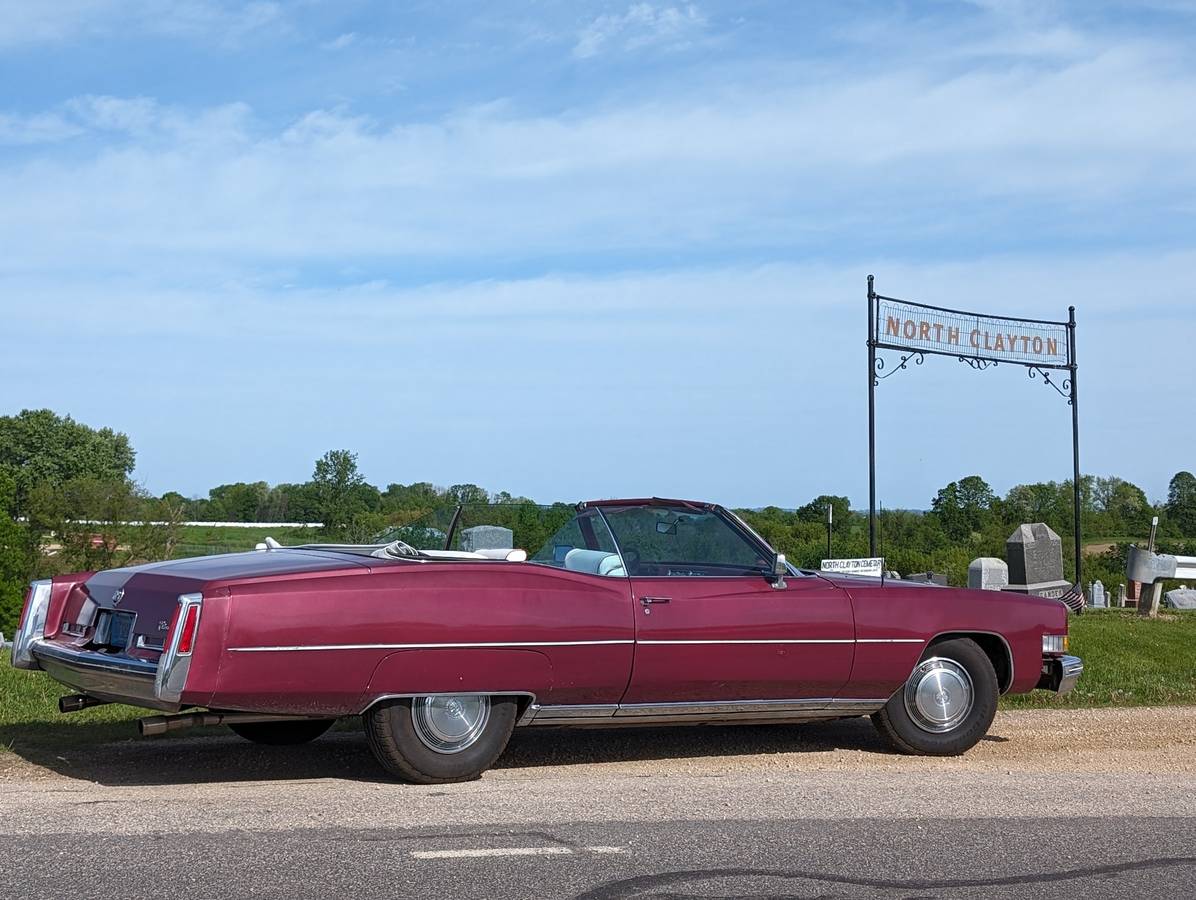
830,518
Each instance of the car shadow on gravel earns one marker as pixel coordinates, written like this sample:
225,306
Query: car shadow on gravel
214,755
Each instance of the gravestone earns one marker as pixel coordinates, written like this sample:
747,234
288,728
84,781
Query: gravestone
1097,597
1035,556
1181,598
487,537
987,573
928,578
1121,596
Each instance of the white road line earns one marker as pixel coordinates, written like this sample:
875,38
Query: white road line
491,851
483,852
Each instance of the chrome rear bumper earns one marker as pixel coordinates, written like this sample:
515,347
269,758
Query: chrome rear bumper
117,679
1060,673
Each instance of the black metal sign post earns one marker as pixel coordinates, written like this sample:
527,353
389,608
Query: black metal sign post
978,340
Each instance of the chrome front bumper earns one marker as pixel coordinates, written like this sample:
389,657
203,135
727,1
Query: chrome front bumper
1060,673
117,679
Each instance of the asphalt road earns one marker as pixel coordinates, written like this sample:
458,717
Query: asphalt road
1096,804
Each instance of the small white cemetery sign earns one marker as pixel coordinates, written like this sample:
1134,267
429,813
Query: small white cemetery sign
873,566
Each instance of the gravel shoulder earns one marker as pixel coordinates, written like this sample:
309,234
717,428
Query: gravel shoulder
1104,762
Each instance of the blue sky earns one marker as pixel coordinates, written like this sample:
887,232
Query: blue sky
572,249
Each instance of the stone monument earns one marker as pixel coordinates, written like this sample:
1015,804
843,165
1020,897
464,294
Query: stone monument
928,578
1097,597
987,573
487,537
1121,596
1181,598
1035,556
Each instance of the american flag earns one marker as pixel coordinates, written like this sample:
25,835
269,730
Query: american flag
1074,599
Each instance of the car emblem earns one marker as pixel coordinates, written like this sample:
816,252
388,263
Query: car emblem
117,596
163,625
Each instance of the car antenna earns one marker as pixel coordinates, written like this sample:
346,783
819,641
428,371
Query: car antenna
452,529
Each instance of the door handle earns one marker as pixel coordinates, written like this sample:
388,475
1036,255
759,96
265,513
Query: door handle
649,601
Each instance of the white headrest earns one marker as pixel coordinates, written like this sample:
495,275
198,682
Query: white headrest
612,566
580,560
515,555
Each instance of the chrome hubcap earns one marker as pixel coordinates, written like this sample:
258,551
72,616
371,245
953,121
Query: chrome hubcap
939,695
450,724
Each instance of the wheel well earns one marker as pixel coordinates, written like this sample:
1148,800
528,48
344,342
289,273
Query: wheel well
994,648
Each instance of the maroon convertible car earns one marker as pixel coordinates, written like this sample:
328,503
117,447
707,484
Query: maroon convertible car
637,612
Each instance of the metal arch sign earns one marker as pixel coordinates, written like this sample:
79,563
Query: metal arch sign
902,325
980,340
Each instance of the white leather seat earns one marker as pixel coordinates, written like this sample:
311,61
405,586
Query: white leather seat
596,562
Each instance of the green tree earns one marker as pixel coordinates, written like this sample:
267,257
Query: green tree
41,447
964,507
16,557
1181,503
815,510
336,482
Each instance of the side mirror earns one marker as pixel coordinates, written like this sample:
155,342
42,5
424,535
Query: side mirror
779,570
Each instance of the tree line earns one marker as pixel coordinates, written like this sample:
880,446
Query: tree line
67,499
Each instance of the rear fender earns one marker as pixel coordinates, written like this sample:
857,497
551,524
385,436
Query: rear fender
407,673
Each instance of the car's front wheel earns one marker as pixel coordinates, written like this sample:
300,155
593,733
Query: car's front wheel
946,705
442,738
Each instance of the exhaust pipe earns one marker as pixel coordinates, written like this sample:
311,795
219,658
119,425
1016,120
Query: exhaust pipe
155,725
76,702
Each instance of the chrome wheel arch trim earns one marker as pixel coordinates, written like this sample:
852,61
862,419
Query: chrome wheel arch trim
965,633
527,699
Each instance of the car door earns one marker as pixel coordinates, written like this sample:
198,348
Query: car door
710,626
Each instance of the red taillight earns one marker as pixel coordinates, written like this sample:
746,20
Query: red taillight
187,635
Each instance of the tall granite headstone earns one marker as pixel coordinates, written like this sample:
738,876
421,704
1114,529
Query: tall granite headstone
487,537
1121,596
987,573
1035,556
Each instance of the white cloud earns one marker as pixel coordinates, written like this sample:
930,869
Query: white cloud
42,128
341,42
914,153
23,22
643,25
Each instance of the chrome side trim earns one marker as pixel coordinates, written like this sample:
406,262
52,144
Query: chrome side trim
715,711
482,644
762,641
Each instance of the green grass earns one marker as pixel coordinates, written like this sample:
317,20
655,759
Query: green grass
200,540
29,713
1128,661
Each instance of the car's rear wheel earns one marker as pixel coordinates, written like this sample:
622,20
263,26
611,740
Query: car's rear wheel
442,738
946,705
282,733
